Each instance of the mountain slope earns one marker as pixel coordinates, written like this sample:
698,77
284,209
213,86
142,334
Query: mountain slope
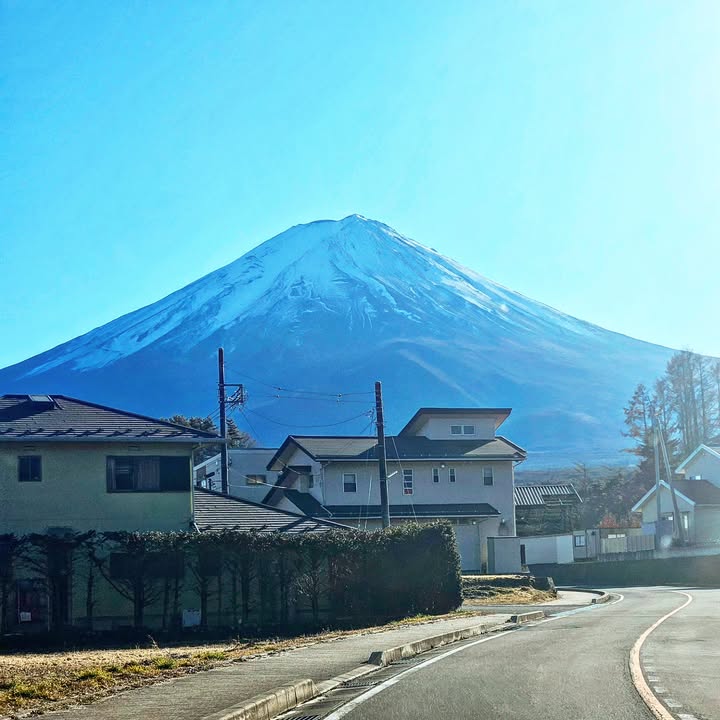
333,305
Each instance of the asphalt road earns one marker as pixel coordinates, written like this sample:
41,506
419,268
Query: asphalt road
573,666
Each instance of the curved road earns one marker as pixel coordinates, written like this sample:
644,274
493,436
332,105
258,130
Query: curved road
572,666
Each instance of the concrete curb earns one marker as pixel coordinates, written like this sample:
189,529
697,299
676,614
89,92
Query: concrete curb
527,617
382,658
603,596
268,705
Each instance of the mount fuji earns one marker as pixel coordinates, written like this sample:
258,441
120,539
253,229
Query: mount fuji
328,307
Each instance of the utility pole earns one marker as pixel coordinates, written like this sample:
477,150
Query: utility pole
382,460
237,398
677,516
656,442
223,423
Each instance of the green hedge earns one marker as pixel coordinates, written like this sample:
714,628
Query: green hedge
241,579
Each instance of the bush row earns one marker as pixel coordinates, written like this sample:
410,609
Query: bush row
236,579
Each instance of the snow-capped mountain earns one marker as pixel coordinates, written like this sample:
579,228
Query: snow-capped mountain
331,306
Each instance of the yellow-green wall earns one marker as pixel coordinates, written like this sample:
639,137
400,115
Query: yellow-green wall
73,491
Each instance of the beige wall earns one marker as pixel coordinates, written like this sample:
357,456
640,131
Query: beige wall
705,465
73,491
438,428
707,524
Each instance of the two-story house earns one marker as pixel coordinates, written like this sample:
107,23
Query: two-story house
446,463
68,465
697,490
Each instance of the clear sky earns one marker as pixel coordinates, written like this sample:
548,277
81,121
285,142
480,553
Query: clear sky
569,150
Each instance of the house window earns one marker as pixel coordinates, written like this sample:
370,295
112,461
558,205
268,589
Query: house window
436,475
407,482
148,474
256,479
451,474
579,541
456,429
349,482
488,476
29,468
468,429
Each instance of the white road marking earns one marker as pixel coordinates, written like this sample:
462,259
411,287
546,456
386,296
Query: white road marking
349,707
647,695
672,703
686,716
659,689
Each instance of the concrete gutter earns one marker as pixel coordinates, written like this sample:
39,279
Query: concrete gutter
267,705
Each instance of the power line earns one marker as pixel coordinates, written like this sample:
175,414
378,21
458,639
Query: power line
280,388
324,425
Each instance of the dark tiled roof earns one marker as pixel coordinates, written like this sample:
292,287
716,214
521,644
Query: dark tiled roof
403,448
306,503
542,495
214,511
702,492
59,418
347,512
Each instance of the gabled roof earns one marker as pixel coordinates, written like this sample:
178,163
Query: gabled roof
397,447
701,492
713,451
637,507
58,418
215,511
416,420
544,495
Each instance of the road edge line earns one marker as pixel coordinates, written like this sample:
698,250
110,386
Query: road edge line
651,700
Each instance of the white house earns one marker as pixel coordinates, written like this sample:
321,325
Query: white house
697,488
445,463
248,476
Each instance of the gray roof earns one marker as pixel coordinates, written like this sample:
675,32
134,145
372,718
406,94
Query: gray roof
702,492
215,511
401,447
543,495
58,418
437,510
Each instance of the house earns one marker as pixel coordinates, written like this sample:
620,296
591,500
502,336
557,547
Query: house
69,463
248,476
697,489
446,463
545,509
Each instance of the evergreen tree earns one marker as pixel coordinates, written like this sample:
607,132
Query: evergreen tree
238,438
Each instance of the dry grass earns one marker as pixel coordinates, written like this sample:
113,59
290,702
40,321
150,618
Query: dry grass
510,596
502,590
33,682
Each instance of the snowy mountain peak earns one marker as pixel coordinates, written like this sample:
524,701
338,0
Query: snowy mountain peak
337,304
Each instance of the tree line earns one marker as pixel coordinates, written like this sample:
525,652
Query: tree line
684,403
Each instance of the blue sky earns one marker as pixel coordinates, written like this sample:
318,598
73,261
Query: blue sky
568,150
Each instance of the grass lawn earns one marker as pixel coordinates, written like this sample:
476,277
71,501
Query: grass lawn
36,681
